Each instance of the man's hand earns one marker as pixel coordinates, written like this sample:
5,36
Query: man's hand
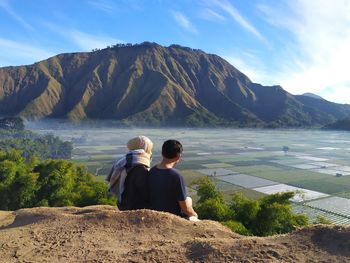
186,207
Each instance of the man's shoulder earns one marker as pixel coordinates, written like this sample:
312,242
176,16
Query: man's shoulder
171,171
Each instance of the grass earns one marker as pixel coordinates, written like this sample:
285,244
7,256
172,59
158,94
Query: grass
250,193
290,176
190,176
328,185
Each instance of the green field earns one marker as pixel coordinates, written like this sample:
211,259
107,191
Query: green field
251,152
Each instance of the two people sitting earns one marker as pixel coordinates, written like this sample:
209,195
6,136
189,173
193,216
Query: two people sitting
162,188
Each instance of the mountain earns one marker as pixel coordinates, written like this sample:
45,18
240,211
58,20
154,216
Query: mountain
312,95
342,125
151,84
103,234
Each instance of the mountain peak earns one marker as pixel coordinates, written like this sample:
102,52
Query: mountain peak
312,95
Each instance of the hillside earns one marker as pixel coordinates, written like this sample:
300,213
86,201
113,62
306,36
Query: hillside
151,84
312,95
102,234
342,125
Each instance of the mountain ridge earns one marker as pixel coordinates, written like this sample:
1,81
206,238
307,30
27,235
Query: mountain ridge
151,84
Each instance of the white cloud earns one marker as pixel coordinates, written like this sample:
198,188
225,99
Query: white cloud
84,41
12,52
88,42
250,65
184,22
209,14
233,12
321,41
7,7
104,5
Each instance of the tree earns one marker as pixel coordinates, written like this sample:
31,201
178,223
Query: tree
275,215
244,209
17,185
285,149
211,204
15,123
206,189
56,182
267,216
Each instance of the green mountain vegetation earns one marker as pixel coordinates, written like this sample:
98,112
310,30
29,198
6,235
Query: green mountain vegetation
343,125
148,84
29,176
14,137
46,183
266,216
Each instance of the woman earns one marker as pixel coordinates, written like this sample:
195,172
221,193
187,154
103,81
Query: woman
128,178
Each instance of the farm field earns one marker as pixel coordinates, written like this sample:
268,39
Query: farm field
316,164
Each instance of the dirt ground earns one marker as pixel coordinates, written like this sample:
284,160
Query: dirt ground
103,234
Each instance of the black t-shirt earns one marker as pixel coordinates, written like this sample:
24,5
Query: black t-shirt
136,191
167,188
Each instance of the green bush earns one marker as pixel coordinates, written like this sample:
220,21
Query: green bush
267,216
214,209
237,227
47,183
322,220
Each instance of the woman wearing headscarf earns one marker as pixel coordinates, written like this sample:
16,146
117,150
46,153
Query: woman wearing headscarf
128,178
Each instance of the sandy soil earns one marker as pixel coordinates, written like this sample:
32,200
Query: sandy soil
103,234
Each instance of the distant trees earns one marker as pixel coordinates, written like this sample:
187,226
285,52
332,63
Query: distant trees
13,123
29,177
47,183
285,149
29,143
145,43
267,216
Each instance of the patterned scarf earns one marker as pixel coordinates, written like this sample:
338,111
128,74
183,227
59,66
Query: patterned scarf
118,173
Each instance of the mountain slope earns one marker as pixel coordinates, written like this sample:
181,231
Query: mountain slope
103,234
312,95
342,125
152,84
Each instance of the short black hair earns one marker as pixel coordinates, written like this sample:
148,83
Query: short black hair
171,149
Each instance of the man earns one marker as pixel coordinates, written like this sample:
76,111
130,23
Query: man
167,186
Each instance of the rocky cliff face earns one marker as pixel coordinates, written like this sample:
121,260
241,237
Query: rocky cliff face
152,84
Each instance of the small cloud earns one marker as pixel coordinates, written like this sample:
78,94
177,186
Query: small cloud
84,41
184,22
227,7
13,52
103,5
336,94
8,8
250,65
88,42
211,15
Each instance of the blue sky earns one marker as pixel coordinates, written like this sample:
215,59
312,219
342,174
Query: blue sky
302,45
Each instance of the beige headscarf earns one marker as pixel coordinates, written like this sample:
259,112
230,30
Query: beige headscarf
140,142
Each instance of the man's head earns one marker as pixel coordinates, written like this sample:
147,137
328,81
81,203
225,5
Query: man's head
172,149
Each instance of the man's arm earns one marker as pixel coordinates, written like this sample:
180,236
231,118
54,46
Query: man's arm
186,207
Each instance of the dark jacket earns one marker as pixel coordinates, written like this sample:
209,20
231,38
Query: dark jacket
136,189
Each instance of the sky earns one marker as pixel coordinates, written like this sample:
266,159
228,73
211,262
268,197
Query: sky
302,45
